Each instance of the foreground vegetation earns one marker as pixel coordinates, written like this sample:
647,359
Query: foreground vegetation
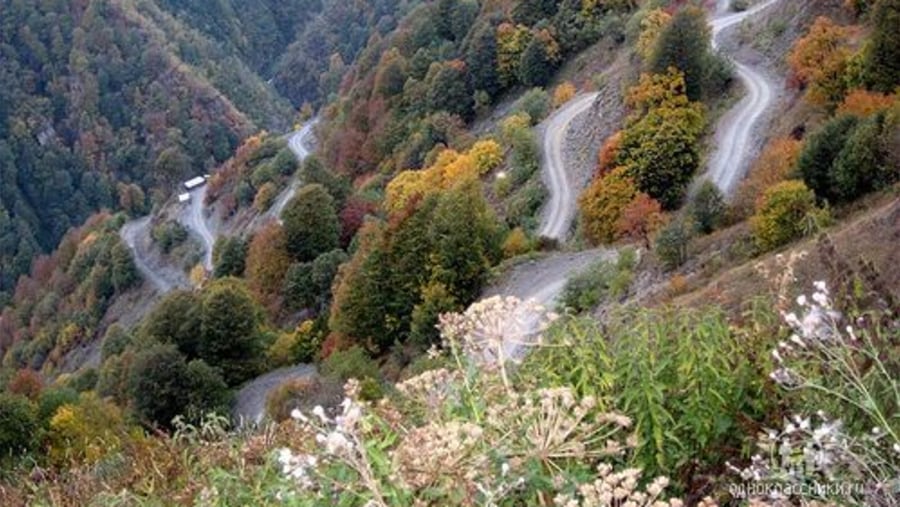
657,404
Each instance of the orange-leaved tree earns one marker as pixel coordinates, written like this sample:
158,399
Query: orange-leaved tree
640,219
819,61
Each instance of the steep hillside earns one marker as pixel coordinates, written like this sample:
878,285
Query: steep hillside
98,93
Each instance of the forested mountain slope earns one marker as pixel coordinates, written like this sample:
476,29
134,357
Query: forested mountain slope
101,93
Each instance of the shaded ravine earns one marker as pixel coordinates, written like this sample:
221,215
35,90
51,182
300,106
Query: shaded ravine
734,133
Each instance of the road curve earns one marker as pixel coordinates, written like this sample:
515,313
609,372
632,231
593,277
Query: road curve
560,211
297,142
129,234
734,142
195,220
250,401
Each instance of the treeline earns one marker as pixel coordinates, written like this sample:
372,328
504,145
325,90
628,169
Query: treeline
107,104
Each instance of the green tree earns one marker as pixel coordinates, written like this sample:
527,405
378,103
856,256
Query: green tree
314,171
230,330
536,66
177,320
115,340
311,224
18,425
449,89
882,55
466,241
481,60
860,166
124,273
660,144
298,287
158,384
783,214
229,256
707,208
324,270
207,391
435,301
671,244
685,44
819,153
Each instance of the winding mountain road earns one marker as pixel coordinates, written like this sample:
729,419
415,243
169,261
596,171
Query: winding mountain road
543,281
734,134
195,220
560,211
130,233
297,143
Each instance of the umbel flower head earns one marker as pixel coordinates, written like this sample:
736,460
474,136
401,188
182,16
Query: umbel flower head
496,329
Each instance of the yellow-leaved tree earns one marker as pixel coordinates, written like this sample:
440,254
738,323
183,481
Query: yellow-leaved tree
601,205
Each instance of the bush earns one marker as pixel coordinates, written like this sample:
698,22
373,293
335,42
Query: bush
299,346
353,362
603,281
516,243
265,197
115,340
563,93
707,208
671,245
168,235
785,212
85,431
536,104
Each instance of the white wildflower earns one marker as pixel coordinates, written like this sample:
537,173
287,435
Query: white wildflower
297,415
319,412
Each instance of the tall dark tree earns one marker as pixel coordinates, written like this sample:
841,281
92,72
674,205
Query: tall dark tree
860,167
230,330
229,257
820,152
481,59
176,320
536,67
685,45
450,89
159,384
311,224
882,57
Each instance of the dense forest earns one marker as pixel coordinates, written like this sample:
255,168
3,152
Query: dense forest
105,98
678,352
